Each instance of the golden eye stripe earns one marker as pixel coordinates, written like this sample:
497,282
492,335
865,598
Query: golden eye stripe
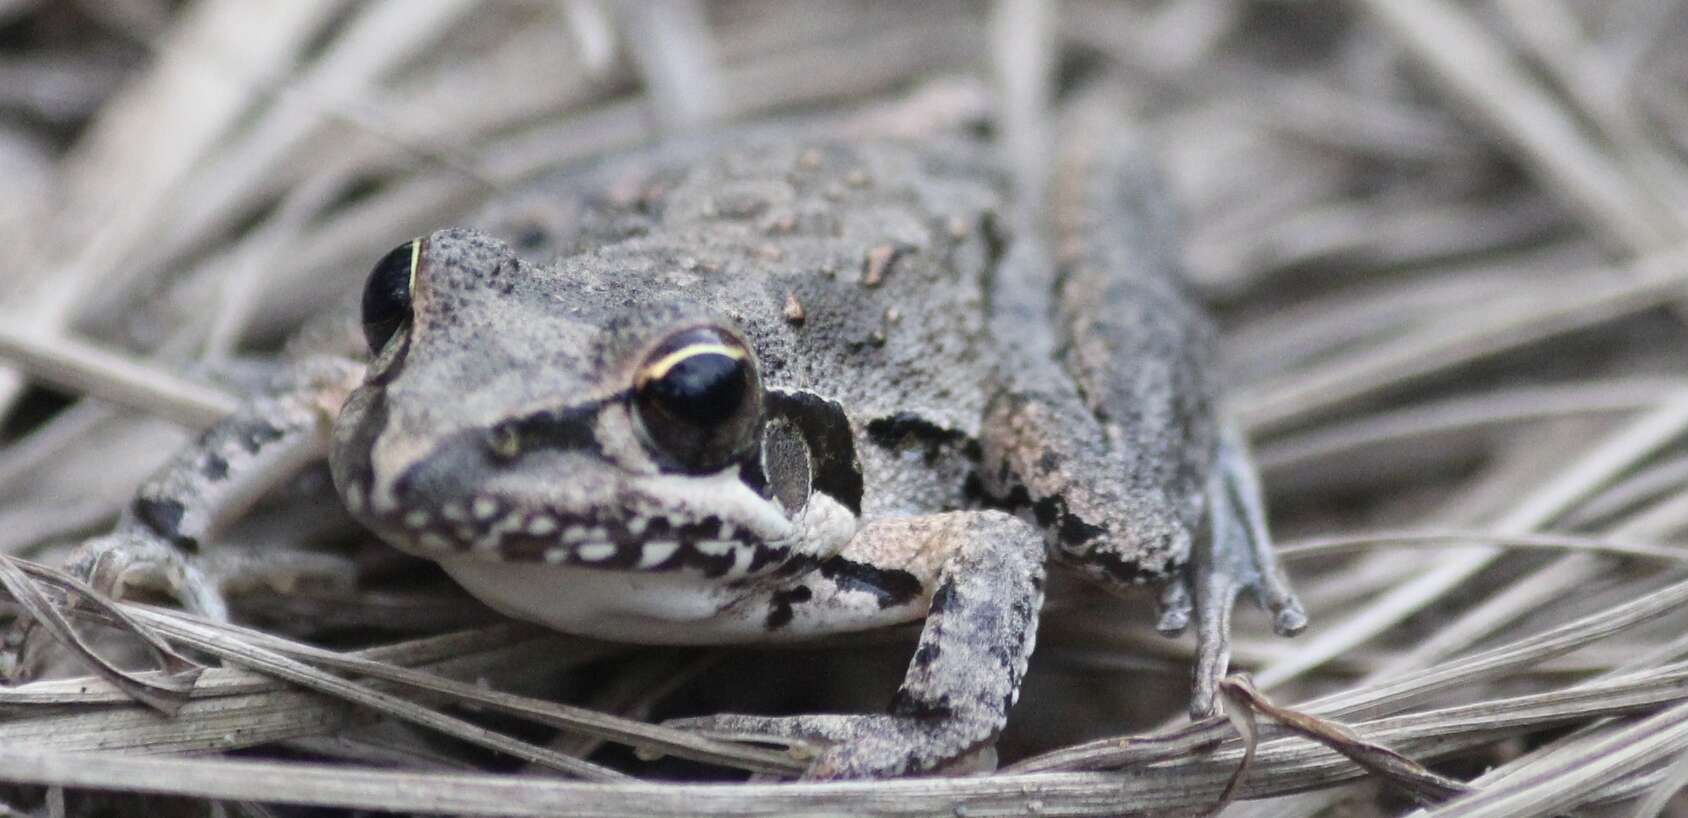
658,368
415,263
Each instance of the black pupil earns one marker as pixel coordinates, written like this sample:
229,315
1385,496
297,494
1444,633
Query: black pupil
704,389
386,297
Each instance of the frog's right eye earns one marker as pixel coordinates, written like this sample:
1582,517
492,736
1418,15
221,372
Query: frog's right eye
386,296
698,399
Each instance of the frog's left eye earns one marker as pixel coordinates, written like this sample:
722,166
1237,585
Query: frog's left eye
698,398
386,295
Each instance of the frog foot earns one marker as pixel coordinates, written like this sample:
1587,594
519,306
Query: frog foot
117,565
851,746
131,560
1237,557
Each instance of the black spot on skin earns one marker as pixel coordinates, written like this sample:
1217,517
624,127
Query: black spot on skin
1047,511
904,428
1048,462
780,605
626,556
1052,514
832,452
944,599
1075,531
798,564
164,517
892,586
765,556
908,431
1016,499
710,566
214,467
926,654
255,435
906,704
1125,572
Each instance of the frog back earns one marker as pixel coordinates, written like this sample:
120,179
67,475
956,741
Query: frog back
857,270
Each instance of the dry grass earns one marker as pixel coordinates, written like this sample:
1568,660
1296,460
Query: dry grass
1446,240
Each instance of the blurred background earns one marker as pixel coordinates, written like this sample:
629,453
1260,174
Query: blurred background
1444,238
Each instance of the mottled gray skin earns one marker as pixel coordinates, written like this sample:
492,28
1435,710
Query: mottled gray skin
942,404
649,243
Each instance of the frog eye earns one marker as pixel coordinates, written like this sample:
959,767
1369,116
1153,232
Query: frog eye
698,399
386,295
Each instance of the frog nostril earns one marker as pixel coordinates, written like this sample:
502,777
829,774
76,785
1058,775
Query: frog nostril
504,441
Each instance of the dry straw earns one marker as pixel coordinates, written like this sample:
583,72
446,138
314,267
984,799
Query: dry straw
1445,241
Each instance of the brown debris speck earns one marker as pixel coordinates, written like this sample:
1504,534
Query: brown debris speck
878,263
794,308
781,224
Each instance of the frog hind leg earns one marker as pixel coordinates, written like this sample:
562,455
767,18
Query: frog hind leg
1105,429
1236,555
980,628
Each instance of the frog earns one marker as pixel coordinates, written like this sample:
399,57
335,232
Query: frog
770,386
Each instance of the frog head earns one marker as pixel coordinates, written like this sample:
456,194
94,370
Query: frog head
580,415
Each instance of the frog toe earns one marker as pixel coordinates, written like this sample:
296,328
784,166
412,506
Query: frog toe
1173,608
1288,617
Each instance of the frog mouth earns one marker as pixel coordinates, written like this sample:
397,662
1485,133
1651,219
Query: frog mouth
714,525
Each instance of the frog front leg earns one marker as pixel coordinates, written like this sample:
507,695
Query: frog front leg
977,576
156,544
